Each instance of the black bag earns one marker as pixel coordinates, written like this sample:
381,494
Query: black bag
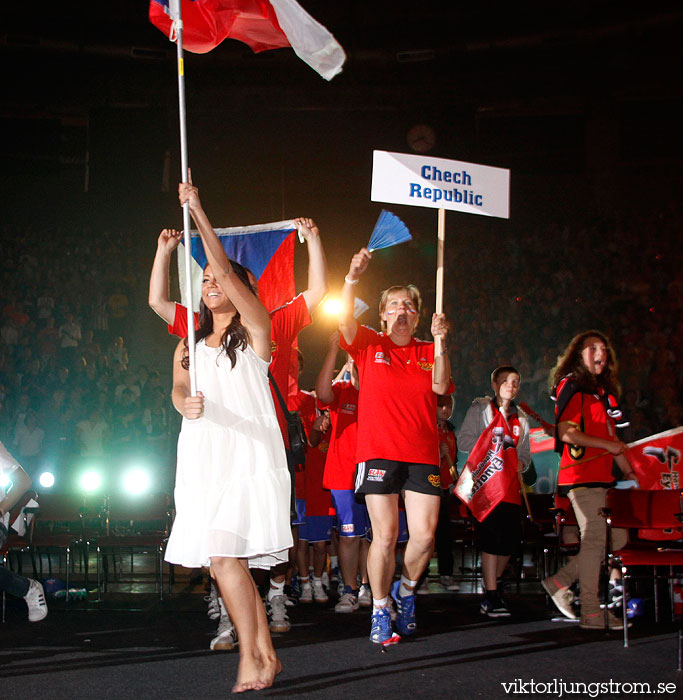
296,454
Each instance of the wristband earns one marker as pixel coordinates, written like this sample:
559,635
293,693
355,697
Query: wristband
349,281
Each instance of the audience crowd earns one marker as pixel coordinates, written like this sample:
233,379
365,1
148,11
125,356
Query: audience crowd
69,394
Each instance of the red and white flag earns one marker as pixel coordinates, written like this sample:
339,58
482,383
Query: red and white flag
489,470
261,24
657,461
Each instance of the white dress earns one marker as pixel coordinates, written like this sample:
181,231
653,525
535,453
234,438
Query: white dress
232,492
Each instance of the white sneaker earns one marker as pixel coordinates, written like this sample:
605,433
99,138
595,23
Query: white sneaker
278,621
213,609
226,637
449,583
347,603
35,600
365,596
306,593
319,594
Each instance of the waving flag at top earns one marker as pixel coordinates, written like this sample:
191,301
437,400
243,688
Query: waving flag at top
266,249
261,24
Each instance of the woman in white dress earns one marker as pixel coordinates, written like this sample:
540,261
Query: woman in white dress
232,482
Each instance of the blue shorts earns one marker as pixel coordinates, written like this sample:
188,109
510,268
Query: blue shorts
316,528
352,517
300,512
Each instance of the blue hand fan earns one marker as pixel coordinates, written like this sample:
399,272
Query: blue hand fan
389,230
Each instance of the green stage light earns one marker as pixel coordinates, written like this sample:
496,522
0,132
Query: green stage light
136,481
47,480
91,481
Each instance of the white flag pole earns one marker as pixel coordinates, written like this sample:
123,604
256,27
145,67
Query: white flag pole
441,241
185,176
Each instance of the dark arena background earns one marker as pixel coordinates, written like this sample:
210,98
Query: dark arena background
581,101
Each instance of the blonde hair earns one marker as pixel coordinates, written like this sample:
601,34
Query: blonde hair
412,290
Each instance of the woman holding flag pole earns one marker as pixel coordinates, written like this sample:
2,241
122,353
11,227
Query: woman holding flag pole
585,385
397,447
232,482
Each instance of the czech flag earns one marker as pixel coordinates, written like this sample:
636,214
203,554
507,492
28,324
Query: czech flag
266,249
261,24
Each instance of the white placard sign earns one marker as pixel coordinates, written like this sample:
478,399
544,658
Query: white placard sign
420,181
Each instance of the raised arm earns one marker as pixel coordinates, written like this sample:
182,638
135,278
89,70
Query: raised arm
159,296
317,265
253,314
348,326
323,384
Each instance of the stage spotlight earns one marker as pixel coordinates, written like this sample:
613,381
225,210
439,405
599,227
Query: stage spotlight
47,480
4,480
136,481
332,307
91,481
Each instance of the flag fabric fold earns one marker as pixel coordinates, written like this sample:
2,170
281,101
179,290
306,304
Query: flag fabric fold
490,468
657,462
260,24
266,249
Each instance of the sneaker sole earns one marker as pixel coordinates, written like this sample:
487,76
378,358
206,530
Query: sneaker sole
394,639
279,628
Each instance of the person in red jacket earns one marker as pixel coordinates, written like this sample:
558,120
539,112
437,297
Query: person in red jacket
340,396
585,388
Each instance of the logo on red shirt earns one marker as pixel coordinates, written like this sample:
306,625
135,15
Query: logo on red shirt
380,358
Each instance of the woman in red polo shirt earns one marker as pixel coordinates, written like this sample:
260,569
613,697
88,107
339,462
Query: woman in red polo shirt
586,414
397,441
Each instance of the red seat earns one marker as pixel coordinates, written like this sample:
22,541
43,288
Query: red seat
652,510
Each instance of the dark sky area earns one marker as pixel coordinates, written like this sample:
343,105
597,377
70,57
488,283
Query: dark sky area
582,101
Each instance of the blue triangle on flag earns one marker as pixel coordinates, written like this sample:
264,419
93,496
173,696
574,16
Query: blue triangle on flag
253,249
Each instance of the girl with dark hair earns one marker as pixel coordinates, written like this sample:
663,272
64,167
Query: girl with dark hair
232,482
585,388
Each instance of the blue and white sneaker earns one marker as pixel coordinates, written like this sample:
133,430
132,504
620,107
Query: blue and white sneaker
380,627
405,611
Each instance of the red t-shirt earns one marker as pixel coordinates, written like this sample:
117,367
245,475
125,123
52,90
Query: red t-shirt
396,406
340,465
448,436
597,423
309,482
285,324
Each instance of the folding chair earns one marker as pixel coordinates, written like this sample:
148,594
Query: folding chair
640,508
134,524
57,528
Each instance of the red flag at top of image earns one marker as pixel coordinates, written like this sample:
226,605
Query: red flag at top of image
489,470
261,24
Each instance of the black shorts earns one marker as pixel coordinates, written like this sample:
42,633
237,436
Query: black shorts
501,530
391,476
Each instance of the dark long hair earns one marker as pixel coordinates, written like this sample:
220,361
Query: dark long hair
235,337
571,363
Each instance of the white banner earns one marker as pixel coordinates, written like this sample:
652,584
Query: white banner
420,181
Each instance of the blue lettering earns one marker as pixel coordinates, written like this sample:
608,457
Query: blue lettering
448,176
456,178
466,179
415,190
479,200
427,192
448,195
437,174
425,172
438,194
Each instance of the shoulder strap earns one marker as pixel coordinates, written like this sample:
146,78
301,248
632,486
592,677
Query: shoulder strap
277,393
